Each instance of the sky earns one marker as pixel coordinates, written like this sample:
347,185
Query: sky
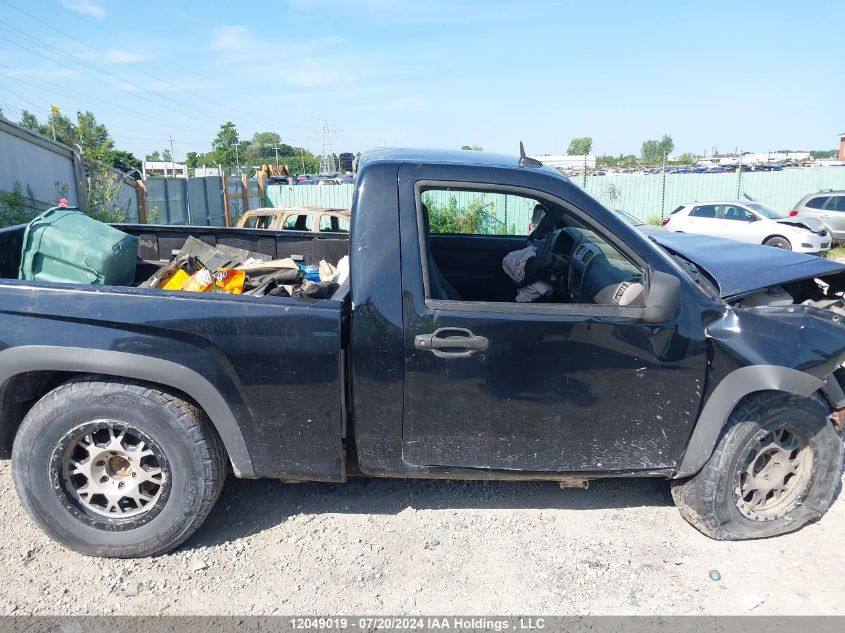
752,75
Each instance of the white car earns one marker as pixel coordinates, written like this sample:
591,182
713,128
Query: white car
750,222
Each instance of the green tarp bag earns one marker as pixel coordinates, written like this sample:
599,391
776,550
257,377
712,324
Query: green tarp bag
66,246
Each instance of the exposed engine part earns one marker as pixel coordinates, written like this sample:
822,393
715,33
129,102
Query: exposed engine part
774,296
837,306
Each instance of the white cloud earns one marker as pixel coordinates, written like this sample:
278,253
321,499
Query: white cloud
237,44
86,7
232,39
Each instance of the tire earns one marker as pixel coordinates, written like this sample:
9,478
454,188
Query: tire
778,241
720,500
116,468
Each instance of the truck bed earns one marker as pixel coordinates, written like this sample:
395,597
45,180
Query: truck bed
276,361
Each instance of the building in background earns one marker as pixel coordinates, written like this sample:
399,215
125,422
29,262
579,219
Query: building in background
842,146
208,171
749,158
163,168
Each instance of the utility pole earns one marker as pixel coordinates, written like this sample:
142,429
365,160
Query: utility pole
172,157
237,157
277,156
585,171
302,157
663,190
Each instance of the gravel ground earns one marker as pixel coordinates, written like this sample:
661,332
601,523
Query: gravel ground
432,547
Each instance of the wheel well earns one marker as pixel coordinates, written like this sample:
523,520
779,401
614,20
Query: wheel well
22,391
783,237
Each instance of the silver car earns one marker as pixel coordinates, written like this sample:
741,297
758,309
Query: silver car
827,206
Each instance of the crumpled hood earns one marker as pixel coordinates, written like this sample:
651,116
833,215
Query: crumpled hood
811,224
739,268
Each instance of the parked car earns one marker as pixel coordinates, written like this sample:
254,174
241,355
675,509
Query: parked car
124,408
826,206
750,222
315,219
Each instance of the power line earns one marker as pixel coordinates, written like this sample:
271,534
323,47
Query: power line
163,102
52,88
135,66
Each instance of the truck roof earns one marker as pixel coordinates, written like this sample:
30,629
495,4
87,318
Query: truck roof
449,157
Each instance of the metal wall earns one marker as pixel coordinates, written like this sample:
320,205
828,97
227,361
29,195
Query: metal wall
196,201
45,171
36,164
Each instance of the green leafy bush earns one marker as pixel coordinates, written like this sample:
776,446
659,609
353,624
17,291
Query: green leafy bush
476,217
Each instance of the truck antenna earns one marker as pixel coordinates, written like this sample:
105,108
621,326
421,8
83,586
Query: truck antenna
527,161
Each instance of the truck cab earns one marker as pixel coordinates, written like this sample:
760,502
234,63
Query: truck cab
460,347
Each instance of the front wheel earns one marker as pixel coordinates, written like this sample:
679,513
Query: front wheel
109,467
776,467
778,242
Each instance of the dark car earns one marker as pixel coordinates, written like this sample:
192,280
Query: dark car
458,347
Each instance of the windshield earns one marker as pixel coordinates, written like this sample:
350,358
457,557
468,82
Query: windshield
765,211
630,219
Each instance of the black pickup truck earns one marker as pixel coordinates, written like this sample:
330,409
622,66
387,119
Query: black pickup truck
712,364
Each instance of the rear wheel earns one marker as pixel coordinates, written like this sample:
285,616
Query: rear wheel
114,468
776,467
778,241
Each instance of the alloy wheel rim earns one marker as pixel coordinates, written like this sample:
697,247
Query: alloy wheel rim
773,474
114,471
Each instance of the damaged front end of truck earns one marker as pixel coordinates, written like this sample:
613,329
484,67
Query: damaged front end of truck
777,323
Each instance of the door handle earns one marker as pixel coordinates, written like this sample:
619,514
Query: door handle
451,342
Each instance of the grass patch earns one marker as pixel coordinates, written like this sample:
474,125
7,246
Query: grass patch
838,252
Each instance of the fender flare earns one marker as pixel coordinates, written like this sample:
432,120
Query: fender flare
18,360
727,394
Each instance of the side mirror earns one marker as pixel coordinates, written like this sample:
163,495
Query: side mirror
664,297
753,218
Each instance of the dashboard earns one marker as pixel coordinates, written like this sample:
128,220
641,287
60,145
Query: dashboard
597,272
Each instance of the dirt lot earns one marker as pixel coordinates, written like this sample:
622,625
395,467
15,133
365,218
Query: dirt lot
390,547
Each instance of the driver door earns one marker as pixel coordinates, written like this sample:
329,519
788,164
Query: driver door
534,387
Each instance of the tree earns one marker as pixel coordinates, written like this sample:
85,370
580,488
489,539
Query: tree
654,151
93,137
122,160
153,157
224,145
29,120
687,158
192,160
580,146
473,148
166,156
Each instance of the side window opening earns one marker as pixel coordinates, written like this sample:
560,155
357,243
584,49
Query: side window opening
297,222
476,248
258,222
735,213
817,203
333,224
705,211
